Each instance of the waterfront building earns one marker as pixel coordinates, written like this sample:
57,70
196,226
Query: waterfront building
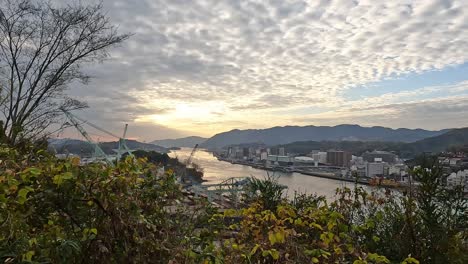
338,158
302,161
320,157
281,152
276,160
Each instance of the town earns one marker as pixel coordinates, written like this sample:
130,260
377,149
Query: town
371,167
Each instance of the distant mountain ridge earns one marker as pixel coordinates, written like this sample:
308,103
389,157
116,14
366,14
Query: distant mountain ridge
80,147
186,142
288,134
456,138
453,138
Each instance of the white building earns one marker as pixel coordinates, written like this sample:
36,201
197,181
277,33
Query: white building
305,161
279,160
320,157
375,169
281,152
457,179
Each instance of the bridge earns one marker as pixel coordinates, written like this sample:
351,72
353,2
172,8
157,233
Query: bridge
225,194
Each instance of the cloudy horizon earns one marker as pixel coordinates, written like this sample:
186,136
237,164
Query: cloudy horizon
209,66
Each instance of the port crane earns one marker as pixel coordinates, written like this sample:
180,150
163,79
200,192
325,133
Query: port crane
189,159
98,152
187,163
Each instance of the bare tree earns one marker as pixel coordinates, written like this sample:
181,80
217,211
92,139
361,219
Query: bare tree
42,50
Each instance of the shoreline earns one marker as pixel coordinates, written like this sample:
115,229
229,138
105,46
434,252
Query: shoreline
304,172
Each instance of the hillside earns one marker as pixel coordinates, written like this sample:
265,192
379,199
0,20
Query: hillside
81,147
355,147
288,134
453,138
187,142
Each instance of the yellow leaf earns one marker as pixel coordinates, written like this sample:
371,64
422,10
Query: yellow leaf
272,238
75,161
274,254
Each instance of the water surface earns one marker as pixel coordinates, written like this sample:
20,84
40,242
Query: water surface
216,171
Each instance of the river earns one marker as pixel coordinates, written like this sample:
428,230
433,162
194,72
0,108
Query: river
216,171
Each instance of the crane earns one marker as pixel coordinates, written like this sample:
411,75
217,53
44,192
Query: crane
98,151
189,159
187,163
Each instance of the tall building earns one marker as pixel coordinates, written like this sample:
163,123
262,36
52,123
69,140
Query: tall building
245,152
274,151
320,157
281,152
338,158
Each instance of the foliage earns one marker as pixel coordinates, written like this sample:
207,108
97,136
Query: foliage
268,191
152,156
61,211
427,221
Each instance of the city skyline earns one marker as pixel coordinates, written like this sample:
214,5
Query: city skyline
204,67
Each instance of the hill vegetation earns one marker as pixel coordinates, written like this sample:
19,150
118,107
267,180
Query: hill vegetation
289,134
455,138
186,142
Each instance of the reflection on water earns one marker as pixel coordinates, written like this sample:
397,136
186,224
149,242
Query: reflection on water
217,171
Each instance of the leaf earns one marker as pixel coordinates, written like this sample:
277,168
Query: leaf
279,237
271,238
254,249
23,193
410,260
315,260
93,230
58,179
316,226
32,171
28,256
274,254
75,161
298,221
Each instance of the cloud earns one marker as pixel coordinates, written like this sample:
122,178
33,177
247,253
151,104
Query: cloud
242,56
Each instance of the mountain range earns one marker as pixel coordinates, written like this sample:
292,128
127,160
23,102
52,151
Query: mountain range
355,138
456,138
453,138
186,142
289,134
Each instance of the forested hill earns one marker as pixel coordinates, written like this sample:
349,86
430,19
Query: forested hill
188,142
455,138
289,134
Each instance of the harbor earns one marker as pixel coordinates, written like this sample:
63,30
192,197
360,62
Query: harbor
217,171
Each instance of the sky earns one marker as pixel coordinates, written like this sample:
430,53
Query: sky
200,67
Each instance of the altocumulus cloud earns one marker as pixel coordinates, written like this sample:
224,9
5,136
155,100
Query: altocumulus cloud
261,57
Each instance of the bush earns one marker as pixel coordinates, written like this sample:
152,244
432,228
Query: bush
62,212
59,211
